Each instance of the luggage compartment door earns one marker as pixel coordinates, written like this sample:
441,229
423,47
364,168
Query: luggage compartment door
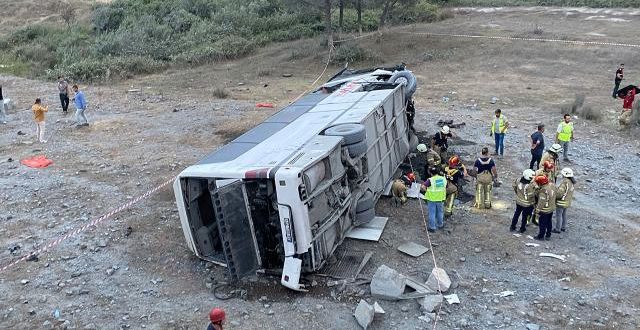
236,229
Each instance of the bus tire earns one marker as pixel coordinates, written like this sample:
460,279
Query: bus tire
365,202
351,133
411,82
365,216
357,149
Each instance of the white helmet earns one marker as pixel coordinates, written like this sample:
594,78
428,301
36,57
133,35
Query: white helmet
528,174
445,129
567,172
422,147
556,148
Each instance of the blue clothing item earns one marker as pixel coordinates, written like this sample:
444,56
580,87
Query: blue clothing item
80,101
499,143
81,118
484,164
436,214
535,137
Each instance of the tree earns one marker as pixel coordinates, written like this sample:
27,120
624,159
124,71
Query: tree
341,5
359,10
327,22
389,5
66,11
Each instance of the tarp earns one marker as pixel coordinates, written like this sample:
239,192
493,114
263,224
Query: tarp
37,161
623,91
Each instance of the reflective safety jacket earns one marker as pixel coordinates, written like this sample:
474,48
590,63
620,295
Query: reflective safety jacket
546,199
565,193
566,131
502,122
437,189
525,193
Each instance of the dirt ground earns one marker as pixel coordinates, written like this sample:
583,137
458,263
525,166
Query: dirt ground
134,271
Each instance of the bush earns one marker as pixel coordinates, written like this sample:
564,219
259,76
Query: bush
350,52
220,93
107,18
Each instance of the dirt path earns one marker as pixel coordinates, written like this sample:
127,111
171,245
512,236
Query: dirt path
136,272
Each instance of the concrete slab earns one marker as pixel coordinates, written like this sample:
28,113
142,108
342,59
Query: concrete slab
413,249
364,314
371,231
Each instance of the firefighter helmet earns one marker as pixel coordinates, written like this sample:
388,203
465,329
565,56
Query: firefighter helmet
548,165
567,172
422,147
454,161
541,180
216,315
528,174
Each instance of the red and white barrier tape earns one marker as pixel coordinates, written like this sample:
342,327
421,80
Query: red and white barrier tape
86,227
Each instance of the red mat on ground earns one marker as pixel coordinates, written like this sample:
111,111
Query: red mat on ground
37,161
265,105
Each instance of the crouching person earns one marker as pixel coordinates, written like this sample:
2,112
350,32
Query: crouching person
487,173
563,201
525,199
435,192
399,192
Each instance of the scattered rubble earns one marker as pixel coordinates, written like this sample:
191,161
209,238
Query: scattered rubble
388,284
439,280
413,249
431,302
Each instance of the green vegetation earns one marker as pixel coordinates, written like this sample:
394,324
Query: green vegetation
128,37
555,3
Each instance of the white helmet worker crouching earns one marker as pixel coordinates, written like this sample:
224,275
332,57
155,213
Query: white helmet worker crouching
445,129
422,147
528,174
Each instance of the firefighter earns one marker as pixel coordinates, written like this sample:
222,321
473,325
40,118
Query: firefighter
552,155
525,199
440,141
547,170
454,172
563,200
399,191
487,174
432,159
545,206
217,317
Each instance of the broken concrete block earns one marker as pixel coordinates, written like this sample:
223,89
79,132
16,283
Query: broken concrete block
412,249
439,280
364,314
430,302
377,308
387,283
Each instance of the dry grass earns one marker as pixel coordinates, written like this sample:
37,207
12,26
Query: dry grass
220,93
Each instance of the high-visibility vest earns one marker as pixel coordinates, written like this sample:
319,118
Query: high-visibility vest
501,123
437,190
565,132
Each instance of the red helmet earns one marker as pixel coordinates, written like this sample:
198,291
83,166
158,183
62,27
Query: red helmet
542,180
411,177
216,315
548,165
454,161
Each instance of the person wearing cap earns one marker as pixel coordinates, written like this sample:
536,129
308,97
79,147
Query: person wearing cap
552,155
435,192
537,147
499,126
486,171
432,159
563,199
439,142
525,199
454,172
545,206
217,317
564,135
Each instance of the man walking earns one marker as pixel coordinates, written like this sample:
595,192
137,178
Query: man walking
487,174
525,199
545,207
564,135
63,89
499,127
38,116
435,192
618,80
563,201
81,106
537,147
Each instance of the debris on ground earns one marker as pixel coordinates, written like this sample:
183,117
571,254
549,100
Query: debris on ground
553,255
452,299
413,249
364,314
388,284
438,280
431,302
505,294
532,244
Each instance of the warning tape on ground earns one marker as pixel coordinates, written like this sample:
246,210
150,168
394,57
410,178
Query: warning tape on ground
87,226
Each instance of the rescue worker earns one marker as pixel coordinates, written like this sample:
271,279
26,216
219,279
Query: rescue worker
552,155
563,201
399,191
525,199
486,171
435,192
217,317
545,207
439,142
455,172
499,126
564,135
547,170
432,159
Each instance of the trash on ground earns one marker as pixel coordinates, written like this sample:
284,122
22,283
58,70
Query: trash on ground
565,279
430,303
36,161
505,294
388,284
364,314
517,235
452,299
412,249
532,244
377,308
552,255
264,105
414,191
370,231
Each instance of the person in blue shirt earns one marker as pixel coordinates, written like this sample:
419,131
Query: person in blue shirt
537,147
81,106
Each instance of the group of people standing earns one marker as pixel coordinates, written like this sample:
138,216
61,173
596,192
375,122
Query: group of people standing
537,196
40,110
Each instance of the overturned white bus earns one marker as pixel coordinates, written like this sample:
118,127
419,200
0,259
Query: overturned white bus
284,194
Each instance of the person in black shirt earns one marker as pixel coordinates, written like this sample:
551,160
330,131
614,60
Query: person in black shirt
3,112
618,80
440,144
537,147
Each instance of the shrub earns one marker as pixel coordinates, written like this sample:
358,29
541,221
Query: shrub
350,52
107,18
220,93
